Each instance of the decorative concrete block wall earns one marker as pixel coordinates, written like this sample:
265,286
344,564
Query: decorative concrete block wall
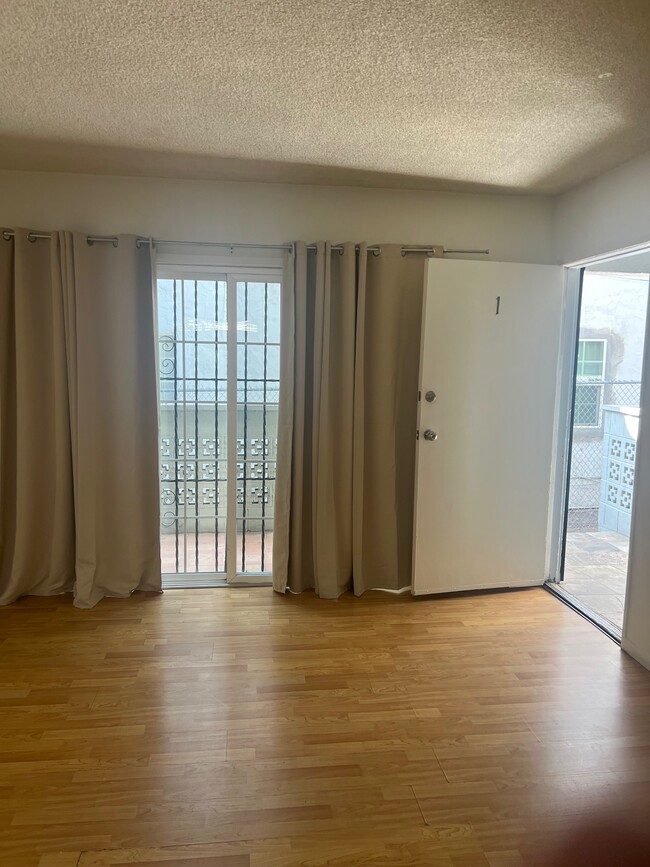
621,426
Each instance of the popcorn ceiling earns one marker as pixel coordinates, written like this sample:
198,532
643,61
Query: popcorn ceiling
470,94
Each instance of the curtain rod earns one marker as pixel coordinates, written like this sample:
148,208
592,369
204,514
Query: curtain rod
433,250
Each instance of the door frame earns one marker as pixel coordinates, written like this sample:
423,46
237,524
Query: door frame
222,268
565,399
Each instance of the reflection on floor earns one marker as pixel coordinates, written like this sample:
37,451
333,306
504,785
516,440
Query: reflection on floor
243,728
595,572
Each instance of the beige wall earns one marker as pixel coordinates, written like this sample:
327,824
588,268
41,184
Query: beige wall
608,213
514,228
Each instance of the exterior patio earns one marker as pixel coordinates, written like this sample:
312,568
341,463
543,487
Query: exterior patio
595,572
207,554
600,499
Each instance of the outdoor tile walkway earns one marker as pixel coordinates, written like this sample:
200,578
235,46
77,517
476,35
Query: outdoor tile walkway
208,553
595,572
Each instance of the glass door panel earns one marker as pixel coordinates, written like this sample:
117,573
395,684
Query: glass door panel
258,381
218,425
193,334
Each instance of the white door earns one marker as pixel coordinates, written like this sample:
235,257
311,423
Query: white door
490,340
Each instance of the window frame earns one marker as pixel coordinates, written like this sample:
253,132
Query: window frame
583,380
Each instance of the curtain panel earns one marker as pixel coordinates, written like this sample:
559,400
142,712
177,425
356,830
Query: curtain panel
347,418
78,419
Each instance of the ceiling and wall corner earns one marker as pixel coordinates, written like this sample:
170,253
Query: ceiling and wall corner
605,214
513,228
508,96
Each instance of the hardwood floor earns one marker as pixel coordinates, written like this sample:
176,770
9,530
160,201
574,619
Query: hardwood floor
237,728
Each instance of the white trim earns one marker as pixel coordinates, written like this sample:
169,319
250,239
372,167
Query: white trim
231,484
608,257
255,579
184,405
563,401
194,271
418,423
637,525
185,257
632,650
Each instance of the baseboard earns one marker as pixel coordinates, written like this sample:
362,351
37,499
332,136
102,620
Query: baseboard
632,650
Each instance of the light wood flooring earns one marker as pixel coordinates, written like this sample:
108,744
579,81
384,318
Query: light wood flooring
238,728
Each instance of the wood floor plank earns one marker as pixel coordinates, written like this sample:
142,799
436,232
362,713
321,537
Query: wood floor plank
238,728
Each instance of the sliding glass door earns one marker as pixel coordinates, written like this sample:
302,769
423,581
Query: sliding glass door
608,360
219,347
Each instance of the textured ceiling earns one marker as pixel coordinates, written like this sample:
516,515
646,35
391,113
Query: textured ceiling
456,94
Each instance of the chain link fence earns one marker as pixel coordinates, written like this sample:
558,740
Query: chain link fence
587,451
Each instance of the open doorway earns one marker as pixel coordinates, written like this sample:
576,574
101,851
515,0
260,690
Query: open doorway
605,408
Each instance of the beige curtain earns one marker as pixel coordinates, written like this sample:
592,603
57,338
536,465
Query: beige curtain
348,410
78,419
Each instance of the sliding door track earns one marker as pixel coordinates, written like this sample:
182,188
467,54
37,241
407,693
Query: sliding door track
600,622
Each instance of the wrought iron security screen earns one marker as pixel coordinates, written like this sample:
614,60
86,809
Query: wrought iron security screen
218,424
258,383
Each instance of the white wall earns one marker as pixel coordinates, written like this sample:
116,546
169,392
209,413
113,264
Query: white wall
601,216
636,624
605,214
514,228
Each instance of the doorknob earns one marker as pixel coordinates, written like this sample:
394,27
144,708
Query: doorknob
430,435
430,396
